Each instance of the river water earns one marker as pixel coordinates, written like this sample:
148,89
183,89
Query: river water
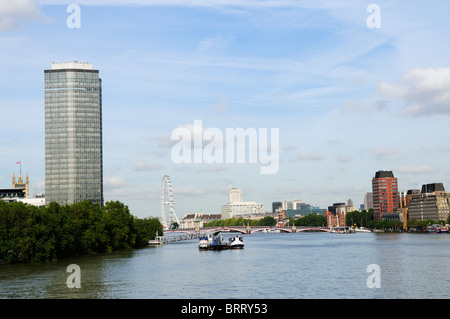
271,266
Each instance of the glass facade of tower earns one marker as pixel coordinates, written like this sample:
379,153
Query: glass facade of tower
73,134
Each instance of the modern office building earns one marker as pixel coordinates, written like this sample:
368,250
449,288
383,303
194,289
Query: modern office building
293,204
73,133
305,210
368,201
277,206
384,194
237,208
432,188
404,202
433,202
405,199
235,195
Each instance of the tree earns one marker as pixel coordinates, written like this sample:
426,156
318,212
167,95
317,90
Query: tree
29,233
360,218
310,220
146,229
267,221
119,225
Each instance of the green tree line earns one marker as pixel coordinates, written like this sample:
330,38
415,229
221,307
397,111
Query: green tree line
312,220
266,221
309,220
365,219
30,234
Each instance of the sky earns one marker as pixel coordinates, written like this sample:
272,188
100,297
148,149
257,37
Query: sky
347,99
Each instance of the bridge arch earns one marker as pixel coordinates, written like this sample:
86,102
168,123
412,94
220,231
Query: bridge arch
227,230
264,229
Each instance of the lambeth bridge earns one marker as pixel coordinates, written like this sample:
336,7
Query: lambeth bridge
174,235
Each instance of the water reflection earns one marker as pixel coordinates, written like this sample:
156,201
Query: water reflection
302,265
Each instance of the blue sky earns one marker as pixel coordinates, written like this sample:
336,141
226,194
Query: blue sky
348,100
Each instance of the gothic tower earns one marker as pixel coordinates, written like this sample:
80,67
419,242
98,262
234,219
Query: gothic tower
20,184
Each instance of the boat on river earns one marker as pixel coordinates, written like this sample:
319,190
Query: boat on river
362,230
158,241
437,229
271,231
212,242
203,243
236,242
342,230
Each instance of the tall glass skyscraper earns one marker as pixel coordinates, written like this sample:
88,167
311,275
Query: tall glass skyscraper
73,134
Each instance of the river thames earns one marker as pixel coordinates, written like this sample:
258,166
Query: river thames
271,266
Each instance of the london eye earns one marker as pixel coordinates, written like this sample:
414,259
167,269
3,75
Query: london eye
169,218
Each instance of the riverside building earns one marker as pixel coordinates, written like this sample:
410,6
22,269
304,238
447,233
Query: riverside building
336,214
384,194
238,208
73,133
433,202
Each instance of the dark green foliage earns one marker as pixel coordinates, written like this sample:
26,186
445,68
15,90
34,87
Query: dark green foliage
360,218
29,233
310,220
119,226
266,221
147,229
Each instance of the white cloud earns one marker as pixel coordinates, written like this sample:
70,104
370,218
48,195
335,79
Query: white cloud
187,191
14,13
142,166
309,157
212,169
164,141
425,169
380,152
423,91
289,147
114,182
343,159
360,106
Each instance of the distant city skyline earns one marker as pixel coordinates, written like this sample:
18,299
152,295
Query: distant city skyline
348,100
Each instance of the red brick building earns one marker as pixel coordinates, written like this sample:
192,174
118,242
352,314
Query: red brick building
385,194
336,215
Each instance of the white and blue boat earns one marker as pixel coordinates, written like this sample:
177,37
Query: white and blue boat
236,242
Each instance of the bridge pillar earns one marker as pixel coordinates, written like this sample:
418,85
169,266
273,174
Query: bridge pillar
294,229
248,229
